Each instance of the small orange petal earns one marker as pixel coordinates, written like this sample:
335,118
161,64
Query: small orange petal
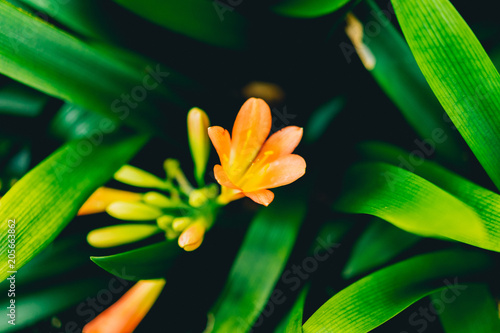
222,142
283,171
263,197
103,197
222,178
129,310
250,130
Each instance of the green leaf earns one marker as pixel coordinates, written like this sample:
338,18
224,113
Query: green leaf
211,22
149,262
49,196
376,298
19,100
397,73
413,204
473,310
259,263
378,244
33,307
459,72
484,202
322,117
307,8
292,323
73,122
45,58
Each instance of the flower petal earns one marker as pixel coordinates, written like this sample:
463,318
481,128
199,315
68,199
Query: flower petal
222,142
263,197
129,310
250,130
222,178
282,171
280,144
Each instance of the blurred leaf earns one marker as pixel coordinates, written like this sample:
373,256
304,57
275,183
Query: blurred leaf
49,196
19,164
473,310
19,100
45,58
417,205
376,298
33,307
212,22
397,73
73,122
259,263
145,263
77,15
379,243
485,203
292,323
322,117
307,8
459,72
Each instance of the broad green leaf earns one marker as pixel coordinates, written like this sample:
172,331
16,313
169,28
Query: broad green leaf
459,72
19,100
72,122
397,73
376,298
473,310
307,8
149,262
212,22
49,196
33,307
378,244
259,263
485,202
322,117
48,59
414,204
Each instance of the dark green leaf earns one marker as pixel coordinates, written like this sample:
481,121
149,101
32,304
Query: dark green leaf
149,262
308,8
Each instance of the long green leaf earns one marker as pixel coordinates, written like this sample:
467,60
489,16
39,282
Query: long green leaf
45,58
378,244
459,72
475,310
49,196
149,262
397,73
415,205
259,263
19,100
307,8
292,323
371,301
212,22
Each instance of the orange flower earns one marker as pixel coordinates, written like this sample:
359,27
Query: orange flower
251,164
129,310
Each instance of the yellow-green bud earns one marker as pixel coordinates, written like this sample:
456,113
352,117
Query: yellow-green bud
180,223
171,167
197,198
120,234
137,177
157,199
133,211
165,221
198,123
